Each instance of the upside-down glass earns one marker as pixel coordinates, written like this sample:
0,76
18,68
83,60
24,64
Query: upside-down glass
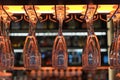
91,57
31,54
4,56
6,51
115,55
59,52
8,44
112,57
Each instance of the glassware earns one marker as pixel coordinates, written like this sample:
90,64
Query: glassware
7,54
4,64
8,44
59,52
91,57
31,54
113,45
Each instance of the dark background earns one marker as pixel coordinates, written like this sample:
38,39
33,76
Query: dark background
53,2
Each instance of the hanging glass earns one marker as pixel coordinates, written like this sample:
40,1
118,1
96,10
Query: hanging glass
115,55
31,54
112,55
91,57
8,44
59,52
4,56
7,54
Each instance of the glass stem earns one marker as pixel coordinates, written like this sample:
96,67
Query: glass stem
118,27
115,29
60,27
6,29
0,27
32,29
90,27
3,29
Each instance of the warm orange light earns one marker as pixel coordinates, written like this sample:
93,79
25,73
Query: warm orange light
75,8
105,8
49,8
45,8
15,9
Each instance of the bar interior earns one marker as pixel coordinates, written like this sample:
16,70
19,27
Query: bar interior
60,40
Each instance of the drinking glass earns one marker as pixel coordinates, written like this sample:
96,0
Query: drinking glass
6,51
4,56
8,44
91,57
115,47
31,54
112,55
59,52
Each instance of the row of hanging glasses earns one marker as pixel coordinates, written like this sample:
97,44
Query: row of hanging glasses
91,57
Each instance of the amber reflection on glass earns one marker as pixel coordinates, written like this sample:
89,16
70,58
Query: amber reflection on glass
115,46
91,57
4,56
112,57
59,52
91,54
31,54
8,45
6,51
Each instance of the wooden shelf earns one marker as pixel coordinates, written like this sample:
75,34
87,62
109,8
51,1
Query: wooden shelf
69,68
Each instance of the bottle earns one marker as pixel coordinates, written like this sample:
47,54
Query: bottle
24,25
15,25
